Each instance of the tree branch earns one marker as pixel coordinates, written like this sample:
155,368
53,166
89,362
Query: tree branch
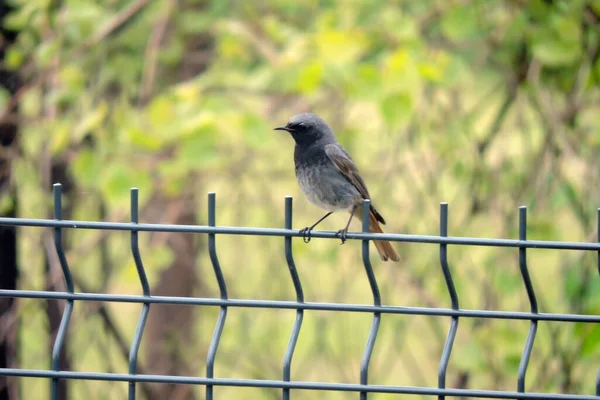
116,24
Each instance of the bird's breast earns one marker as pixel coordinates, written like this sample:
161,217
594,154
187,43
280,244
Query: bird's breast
325,186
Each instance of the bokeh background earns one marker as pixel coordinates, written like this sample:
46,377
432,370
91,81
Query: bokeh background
488,105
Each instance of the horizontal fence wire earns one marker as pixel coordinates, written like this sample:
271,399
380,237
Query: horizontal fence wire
286,385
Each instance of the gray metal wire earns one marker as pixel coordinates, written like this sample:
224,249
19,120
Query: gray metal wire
212,250
139,330
598,259
289,352
300,305
364,365
66,317
532,301
445,359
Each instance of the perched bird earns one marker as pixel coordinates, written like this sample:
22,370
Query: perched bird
329,179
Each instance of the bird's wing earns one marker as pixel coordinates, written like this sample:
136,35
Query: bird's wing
345,165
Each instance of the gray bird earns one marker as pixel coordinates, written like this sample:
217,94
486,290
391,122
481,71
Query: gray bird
329,179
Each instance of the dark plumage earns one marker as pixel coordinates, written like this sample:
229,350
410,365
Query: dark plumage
328,176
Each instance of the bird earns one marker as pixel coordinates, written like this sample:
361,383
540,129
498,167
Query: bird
329,178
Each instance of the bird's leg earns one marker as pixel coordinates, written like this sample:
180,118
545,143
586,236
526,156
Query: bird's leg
305,232
343,232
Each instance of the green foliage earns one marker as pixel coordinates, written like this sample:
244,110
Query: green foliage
557,43
4,99
486,105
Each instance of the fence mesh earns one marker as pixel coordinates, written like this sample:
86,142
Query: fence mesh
286,384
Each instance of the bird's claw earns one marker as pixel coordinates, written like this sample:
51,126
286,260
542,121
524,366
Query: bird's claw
342,234
305,232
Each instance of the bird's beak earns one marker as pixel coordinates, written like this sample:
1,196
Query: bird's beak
281,128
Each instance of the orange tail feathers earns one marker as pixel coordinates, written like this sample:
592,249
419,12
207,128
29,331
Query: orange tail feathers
384,248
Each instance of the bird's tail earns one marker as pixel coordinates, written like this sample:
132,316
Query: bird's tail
384,248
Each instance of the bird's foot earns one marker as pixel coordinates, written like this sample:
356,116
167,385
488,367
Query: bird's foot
305,232
342,234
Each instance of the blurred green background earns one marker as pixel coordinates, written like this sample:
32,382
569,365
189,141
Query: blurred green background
487,105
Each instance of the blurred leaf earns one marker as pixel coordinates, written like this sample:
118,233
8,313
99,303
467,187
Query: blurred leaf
47,51
31,141
198,150
61,97
396,108
397,60
471,357
400,74
200,124
397,24
508,282
187,92
558,43
91,121
459,169
365,83
542,228
116,180
256,131
4,99
590,336
161,111
19,19
143,139
539,9
60,135
14,58
455,71
83,20
341,48
460,22
232,49
572,282
86,167
120,70
431,72
173,173
194,21
7,202
554,53
172,54
568,29
159,258
592,301
512,362
595,74
73,76
309,78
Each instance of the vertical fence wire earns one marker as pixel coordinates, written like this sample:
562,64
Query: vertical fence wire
289,353
445,358
66,317
532,300
598,265
364,365
139,330
212,250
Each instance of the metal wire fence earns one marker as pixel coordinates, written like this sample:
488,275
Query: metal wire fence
363,388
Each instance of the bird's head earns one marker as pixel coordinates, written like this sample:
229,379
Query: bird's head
307,128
